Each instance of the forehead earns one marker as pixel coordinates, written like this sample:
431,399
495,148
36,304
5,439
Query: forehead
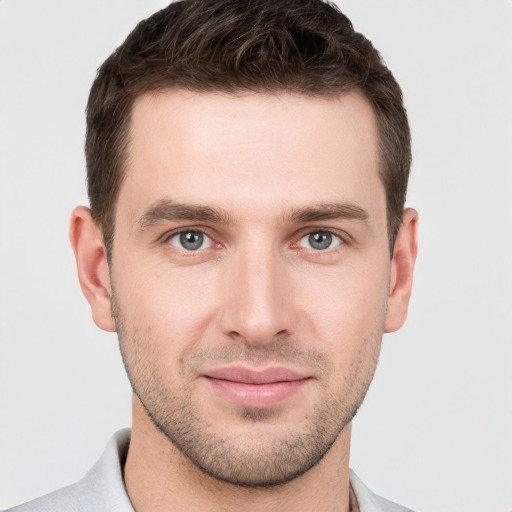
252,148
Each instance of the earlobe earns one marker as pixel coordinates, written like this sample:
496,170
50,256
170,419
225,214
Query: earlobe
402,268
92,266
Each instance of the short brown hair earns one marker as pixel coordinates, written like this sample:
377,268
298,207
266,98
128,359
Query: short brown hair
302,46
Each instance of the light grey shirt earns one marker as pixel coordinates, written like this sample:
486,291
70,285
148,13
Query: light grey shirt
102,488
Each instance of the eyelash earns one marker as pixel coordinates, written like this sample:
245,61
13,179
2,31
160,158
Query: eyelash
169,236
343,239
327,250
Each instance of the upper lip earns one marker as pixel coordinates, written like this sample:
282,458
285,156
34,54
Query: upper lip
251,376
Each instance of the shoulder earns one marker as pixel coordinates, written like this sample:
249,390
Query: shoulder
101,489
369,501
67,499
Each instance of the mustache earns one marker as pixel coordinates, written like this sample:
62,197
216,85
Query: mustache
279,350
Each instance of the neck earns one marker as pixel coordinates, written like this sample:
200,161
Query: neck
159,478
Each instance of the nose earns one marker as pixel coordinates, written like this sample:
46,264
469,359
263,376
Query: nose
258,300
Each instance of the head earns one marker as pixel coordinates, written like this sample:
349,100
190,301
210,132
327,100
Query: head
305,47
247,168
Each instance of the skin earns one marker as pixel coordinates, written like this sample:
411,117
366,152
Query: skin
257,175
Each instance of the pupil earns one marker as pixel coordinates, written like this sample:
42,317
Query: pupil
320,240
191,240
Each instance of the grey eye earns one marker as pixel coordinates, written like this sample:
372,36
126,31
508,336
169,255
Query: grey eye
320,240
190,240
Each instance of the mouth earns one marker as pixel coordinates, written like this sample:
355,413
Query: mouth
258,389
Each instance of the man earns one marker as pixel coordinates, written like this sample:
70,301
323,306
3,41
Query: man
247,240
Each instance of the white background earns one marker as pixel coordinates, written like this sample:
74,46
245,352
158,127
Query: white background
436,430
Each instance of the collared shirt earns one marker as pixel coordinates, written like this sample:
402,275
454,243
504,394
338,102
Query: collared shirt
102,488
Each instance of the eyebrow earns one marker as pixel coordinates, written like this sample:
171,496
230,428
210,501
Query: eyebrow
168,210
328,211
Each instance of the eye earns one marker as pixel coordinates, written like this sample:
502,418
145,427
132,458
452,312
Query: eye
190,240
320,241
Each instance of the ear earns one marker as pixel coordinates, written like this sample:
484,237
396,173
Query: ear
402,267
92,266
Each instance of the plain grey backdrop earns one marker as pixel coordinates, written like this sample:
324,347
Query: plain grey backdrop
435,432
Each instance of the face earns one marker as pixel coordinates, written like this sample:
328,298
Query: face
250,274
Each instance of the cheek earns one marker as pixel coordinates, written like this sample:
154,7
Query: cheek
347,310
351,332
167,306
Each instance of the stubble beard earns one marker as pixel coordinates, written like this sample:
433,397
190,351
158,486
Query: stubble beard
272,460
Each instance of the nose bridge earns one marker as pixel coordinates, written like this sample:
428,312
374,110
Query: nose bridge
257,298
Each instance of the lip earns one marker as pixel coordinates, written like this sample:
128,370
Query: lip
259,389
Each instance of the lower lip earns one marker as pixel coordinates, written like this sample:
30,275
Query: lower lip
257,395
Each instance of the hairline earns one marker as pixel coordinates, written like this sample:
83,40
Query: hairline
328,93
